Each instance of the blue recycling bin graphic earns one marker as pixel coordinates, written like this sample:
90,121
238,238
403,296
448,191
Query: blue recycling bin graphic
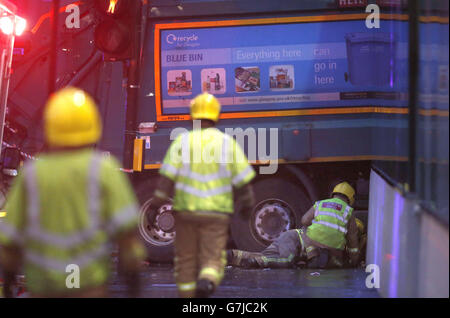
371,58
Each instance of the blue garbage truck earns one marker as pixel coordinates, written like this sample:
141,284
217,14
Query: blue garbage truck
314,91
312,94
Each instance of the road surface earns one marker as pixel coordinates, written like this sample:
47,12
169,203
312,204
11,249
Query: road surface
158,282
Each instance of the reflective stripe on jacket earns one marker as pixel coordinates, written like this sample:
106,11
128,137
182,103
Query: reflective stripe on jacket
205,165
64,209
329,226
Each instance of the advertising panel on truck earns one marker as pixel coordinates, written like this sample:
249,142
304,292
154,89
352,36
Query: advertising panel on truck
280,66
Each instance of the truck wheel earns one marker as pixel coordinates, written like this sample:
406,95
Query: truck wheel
158,237
279,207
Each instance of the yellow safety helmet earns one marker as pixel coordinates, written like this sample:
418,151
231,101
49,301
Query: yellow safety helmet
346,189
71,119
205,106
360,225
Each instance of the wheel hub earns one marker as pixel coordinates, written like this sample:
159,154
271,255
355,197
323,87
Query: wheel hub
165,221
162,232
272,219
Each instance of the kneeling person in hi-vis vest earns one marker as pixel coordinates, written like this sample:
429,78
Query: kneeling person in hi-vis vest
207,170
66,208
332,230
330,238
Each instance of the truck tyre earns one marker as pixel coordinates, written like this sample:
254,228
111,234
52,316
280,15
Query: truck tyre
158,239
280,205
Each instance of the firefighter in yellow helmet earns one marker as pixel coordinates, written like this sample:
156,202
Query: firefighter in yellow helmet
207,171
332,229
65,209
330,232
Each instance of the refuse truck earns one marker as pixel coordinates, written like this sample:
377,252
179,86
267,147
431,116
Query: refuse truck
311,92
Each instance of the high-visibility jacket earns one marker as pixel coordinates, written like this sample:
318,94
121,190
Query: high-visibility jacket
205,165
329,226
64,209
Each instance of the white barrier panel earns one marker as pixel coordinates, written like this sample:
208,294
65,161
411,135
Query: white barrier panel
409,246
393,239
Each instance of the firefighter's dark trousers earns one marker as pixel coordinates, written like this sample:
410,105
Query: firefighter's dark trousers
199,249
284,252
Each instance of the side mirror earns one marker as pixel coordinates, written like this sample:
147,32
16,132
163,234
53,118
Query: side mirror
11,161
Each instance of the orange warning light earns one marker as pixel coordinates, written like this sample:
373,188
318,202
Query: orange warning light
112,6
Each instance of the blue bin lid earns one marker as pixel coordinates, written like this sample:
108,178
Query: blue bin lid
359,37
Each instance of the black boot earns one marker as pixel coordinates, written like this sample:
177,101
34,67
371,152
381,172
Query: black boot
249,263
205,288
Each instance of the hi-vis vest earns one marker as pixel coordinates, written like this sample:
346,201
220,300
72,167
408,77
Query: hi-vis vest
329,226
63,210
205,164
